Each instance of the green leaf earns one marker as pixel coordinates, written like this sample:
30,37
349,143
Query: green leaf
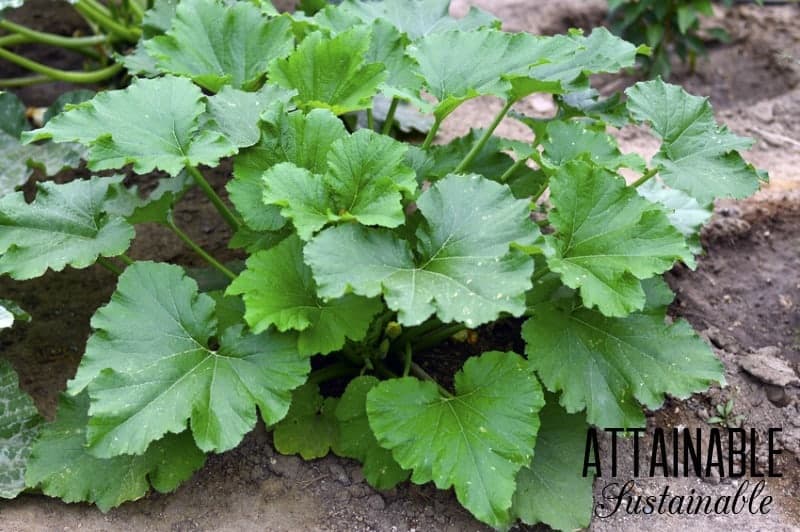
365,180
684,212
553,490
301,139
697,155
217,44
310,427
12,115
65,100
278,290
417,18
236,113
462,269
143,386
154,123
19,426
19,161
62,467
64,225
331,73
155,208
608,238
610,365
357,441
477,440
570,140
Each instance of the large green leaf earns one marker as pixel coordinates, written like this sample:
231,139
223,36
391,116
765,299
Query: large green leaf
684,212
462,269
553,490
236,113
417,18
64,225
477,440
608,238
62,467
365,180
154,123
278,290
570,140
217,44
145,385
610,365
697,155
19,426
297,138
356,440
331,72
310,428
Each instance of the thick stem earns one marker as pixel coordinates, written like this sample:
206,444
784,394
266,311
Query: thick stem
407,360
61,75
438,336
647,176
334,371
91,11
51,38
126,259
200,251
387,124
417,370
108,265
223,209
23,81
370,120
476,149
432,133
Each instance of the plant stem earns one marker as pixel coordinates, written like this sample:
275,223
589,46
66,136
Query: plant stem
126,259
387,124
11,40
61,75
108,265
438,336
535,198
51,38
223,209
432,133
407,360
370,120
23,81
476,149
200,251
334,371
513,168
645,178
417,370
91,10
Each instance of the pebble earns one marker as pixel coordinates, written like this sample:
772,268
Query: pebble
339,474
376,502
285,466
767,366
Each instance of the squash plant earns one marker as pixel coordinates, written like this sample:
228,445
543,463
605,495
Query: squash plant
364,251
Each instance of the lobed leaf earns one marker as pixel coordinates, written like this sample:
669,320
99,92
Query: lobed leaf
697,156
154,123
278,290
462,270
477,440
20,424
64,225
62,467
219,45
570,140
608,238
310,428
236,113
685,213
145,386
611,365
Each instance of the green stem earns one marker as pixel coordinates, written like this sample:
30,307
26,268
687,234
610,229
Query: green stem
137,10
11,40
407,360
126,259
535,198
51,38
200,251
223,209
334,371
417,370
96,6
370,120
432,133
61,75
90,10
476,149
108,265
387,124
513,168
438,336
23,81
645,178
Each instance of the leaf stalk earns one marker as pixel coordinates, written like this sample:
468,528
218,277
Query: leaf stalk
60,75
200,251
223,209
476,149
645,178
389,122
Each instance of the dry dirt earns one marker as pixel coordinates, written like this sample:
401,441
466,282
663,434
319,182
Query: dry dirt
744,296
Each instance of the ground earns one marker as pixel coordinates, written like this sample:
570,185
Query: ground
743,297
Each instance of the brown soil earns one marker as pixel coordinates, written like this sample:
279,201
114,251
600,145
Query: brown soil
744,294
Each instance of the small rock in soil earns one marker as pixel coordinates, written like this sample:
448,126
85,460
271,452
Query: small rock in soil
376,502
766,366
777,395
721,340
285,466
357,476
339,474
